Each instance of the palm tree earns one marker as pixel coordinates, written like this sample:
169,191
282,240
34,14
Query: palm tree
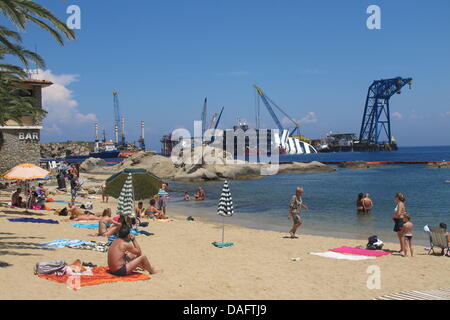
20,12
14,102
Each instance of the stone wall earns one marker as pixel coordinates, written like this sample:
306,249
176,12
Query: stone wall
14,151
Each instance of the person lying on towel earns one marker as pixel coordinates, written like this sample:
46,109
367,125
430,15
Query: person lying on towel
125,255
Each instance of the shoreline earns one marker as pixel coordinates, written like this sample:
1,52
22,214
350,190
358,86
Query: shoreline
258,266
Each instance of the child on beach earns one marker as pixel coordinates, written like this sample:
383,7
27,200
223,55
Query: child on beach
407,231
294,211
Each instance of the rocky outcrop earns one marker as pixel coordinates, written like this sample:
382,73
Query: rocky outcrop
438,165
92,165
64,149
217,165
357,165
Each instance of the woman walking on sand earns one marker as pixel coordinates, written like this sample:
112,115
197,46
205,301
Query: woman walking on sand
294,210
400,211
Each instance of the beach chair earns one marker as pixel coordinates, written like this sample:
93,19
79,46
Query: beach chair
438,239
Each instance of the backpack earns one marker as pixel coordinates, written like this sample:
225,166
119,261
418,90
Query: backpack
374,243
49,267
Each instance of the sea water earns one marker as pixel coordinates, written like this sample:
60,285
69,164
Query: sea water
263,203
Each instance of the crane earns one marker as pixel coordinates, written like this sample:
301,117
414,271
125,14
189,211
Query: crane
204,115
116,111
269,103
376,119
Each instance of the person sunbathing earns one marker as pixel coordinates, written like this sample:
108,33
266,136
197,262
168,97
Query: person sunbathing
125,255
152,212
76,214
106,222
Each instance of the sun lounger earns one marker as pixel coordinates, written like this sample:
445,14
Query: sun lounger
438,239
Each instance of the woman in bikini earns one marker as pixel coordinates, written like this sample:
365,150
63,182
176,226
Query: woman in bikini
76,214
152,212
106,222
400,211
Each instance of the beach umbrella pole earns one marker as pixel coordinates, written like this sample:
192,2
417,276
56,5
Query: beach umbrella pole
223,229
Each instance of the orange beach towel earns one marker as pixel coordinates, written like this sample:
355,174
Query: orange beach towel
100,275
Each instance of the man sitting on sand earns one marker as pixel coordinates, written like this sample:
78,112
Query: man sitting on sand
16,199
139,210
125,255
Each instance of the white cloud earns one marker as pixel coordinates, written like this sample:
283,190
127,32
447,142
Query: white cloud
397,115
60,102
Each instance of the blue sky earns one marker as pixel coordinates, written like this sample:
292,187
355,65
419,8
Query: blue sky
316,59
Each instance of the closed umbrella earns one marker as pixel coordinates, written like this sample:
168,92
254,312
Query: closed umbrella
125,205
225,209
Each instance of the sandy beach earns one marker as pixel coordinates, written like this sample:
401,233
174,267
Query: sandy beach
259,266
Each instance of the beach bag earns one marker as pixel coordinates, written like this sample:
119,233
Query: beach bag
63,212
374,243
49,267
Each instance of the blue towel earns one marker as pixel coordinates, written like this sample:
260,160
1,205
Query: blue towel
222,245
85,226
61,243
64,201
33,220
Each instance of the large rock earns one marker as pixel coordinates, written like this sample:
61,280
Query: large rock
438,165
217,165
91,165
356,165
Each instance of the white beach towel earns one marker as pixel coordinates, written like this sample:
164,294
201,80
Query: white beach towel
340,256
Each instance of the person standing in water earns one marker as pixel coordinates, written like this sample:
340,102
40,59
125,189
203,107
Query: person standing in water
294,210
400,211
359,203
367,204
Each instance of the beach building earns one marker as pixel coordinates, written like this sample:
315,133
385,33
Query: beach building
19,143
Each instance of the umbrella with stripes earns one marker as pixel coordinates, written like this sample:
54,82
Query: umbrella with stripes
225,209
126,199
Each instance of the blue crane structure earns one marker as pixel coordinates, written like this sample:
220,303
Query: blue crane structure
376,122
269,103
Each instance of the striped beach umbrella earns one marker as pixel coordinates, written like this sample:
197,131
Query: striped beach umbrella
225,209
126,198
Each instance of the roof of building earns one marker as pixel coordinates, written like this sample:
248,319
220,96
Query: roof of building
44,83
